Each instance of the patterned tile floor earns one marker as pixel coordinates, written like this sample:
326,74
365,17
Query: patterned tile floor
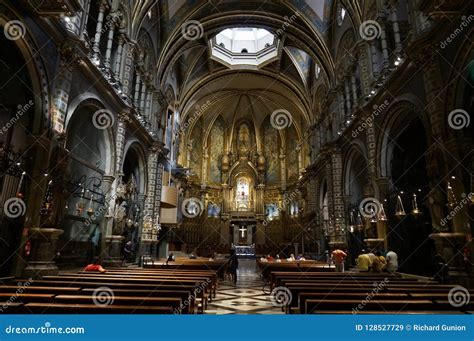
247,297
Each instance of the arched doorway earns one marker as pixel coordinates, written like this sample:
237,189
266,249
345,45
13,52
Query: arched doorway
90,159
406,165
19,118
133,182
355,181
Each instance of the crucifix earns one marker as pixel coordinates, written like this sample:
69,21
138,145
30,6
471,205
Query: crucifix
243,230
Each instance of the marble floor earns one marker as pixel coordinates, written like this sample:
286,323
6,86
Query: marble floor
247,297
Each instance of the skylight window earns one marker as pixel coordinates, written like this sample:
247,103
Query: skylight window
244,46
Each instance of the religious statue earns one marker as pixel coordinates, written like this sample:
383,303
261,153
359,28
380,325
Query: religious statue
244,140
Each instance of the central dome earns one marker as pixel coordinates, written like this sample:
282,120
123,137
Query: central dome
244,46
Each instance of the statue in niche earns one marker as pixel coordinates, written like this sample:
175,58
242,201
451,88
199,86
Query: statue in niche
244,140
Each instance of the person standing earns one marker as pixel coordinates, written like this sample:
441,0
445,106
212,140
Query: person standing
338,256
233,266
127,252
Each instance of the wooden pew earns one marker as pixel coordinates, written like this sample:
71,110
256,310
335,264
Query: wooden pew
136,301
67,308
93,284
309,306
184,295
201,289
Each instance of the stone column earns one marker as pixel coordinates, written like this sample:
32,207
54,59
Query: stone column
342,110
337,194
283,169
43,252
385,52
110,40
118,61
348,101
128,69
136,96
67,61
84,18
143,95
354,91
374,59
396,29
98,31
364,68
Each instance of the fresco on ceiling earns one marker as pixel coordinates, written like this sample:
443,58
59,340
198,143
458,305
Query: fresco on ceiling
270,149
303,61
316,12
308,8
177,10
195,149
291,154
216,149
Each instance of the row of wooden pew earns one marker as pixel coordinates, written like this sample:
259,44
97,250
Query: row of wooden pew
363,293
118,291
266,268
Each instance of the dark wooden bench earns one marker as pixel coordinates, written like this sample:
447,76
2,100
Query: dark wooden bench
310,305
136,301
84,284
67,308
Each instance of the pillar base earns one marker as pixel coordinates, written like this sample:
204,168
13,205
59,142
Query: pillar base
42,261
114,248
449,246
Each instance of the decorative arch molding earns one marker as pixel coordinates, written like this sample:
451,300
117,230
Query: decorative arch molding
89,99
343,58
304,106
242,167
357,150
36,69
134,145
94,104
317,48
397,115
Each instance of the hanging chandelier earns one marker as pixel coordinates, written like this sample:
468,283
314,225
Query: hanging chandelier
400,210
